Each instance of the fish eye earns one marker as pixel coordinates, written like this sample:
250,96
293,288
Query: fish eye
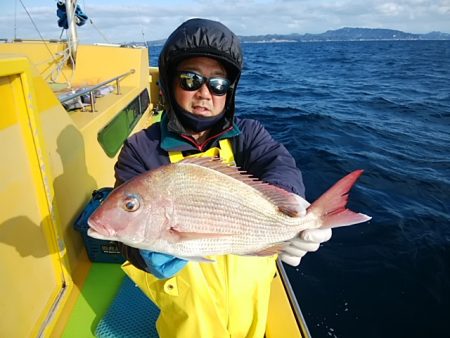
131,203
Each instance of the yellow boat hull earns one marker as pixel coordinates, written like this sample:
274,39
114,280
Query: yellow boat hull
52,161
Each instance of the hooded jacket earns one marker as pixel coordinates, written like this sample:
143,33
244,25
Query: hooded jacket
200,37
254,149
228,298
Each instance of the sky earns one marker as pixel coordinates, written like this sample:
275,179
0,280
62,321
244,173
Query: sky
113,21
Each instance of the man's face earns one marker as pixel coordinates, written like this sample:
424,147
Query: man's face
200,102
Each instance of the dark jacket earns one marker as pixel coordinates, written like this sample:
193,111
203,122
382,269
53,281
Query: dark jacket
255,151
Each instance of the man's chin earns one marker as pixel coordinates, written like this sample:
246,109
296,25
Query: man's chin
202,113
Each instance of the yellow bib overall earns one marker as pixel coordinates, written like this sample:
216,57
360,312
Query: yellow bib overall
227,298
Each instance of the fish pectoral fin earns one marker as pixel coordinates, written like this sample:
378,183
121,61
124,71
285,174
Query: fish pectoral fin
177,235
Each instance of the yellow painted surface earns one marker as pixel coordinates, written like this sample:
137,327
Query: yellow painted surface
154,88
99,63
43,55
281,321
32,275
51,163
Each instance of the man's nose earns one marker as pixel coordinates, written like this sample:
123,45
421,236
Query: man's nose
204,91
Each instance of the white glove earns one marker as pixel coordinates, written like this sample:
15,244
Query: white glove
307,241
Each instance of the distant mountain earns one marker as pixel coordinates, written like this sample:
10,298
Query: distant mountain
435,36
342,34
348,34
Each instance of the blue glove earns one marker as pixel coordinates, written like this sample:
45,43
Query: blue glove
161,265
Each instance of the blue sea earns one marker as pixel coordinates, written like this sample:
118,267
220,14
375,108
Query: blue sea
382,106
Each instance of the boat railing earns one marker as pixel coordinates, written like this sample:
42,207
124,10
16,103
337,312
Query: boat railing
64,98
19,40
293,300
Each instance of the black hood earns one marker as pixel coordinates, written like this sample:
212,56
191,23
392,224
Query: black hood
199,37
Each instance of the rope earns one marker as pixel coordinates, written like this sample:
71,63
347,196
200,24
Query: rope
45,43
95,27
15,20
143,37
98,31
66,55
34,24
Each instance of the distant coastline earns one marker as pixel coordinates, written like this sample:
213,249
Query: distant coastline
342,34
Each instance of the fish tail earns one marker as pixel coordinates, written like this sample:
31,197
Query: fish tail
331,206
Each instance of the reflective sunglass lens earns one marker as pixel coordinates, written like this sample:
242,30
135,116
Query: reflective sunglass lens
191,81
219,86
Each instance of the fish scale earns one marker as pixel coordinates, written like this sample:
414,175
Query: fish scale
237,219
202,207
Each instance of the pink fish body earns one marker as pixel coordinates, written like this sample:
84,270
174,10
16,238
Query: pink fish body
201,207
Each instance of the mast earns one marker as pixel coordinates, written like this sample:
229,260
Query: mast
72,35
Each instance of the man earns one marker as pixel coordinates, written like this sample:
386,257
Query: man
200,66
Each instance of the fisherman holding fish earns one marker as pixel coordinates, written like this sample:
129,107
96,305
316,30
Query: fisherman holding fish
182,222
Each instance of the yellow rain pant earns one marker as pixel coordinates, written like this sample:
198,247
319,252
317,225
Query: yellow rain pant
227,298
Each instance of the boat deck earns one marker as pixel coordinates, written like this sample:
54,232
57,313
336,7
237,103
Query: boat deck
111,305
101,286
54,160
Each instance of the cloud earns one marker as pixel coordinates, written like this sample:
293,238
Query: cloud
121,22
390,9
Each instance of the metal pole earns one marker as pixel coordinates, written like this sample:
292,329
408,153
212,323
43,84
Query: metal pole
72,35
118,87
92,98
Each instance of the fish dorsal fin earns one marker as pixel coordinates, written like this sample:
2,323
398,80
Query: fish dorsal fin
287,202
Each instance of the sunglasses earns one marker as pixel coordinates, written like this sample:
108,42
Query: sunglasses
191,81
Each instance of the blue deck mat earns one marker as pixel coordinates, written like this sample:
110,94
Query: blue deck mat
131,315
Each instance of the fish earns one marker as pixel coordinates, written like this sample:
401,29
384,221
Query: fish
202,207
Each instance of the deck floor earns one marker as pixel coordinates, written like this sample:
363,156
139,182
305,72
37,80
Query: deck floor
100,288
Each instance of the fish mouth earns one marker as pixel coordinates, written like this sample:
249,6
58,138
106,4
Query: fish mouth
99,231
94,234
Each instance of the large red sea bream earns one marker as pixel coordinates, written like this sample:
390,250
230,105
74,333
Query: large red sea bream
201,207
